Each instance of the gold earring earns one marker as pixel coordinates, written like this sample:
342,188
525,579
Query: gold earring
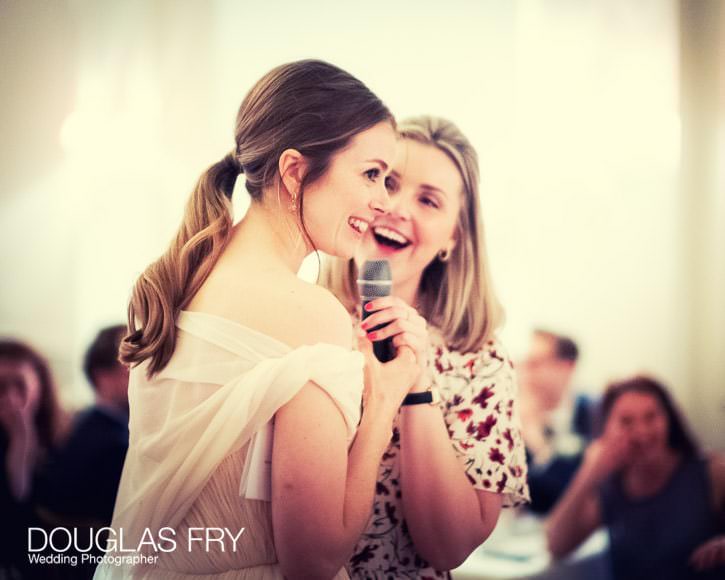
293,203
444,255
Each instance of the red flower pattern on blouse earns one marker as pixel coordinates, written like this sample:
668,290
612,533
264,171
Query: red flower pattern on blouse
464,415
496,455
509,439
482,398
482,429
477,403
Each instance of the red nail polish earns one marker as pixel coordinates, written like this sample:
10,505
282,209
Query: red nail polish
364,325
369,306
372,335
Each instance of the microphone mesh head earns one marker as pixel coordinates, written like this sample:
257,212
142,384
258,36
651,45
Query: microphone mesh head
375,279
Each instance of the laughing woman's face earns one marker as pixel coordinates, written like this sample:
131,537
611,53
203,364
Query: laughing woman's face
340,207
426,193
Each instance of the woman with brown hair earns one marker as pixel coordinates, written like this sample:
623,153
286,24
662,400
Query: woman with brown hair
647,481
243,381
31,425
456,455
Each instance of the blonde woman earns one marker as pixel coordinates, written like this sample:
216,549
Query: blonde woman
244,393
456,455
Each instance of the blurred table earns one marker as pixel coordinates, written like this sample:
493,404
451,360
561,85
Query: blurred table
516,550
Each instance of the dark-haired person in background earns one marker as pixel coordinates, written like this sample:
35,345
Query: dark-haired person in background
646,479
31,425
556,422
80,483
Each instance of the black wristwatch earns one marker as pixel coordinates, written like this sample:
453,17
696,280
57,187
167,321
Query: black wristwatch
429,397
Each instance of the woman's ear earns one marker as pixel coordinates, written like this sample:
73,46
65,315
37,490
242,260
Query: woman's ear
453,242
292,168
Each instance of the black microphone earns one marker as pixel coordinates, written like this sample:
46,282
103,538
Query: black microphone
375,281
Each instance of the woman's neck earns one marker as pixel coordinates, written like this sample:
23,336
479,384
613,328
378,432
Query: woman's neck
275,239
646,477
407,291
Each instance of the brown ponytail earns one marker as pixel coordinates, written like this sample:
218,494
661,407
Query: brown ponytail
308,105
168,284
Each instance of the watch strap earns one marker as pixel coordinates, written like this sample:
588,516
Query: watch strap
428,397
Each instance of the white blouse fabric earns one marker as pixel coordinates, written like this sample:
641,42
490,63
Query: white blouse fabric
191,426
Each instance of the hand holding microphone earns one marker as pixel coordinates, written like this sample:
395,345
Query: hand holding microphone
391,325
389,321
376,281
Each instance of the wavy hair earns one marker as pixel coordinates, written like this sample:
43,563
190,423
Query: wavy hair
309,105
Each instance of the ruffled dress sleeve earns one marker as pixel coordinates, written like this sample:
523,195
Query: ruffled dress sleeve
222,386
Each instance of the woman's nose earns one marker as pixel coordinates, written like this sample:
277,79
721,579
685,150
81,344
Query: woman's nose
378,206
380,203
399,208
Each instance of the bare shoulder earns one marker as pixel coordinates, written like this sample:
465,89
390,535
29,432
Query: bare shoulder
318,316
278,304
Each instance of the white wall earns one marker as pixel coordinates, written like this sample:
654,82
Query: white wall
115,108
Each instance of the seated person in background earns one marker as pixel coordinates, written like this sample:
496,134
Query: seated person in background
556,424
80,483
31,424
645,478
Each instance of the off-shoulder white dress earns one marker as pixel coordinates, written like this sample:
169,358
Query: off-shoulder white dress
191,427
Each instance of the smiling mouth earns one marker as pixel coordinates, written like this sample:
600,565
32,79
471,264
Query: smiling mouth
358,225
390,238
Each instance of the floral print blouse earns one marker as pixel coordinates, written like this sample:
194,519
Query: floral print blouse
478,391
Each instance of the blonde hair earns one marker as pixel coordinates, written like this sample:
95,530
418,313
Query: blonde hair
309,105
455,296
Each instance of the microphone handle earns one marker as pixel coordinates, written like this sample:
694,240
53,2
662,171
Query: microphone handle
383,349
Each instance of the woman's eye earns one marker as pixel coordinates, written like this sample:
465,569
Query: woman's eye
372,174
390,184
429,201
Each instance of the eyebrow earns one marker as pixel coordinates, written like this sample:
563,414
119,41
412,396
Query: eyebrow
380,161
425,186
434,189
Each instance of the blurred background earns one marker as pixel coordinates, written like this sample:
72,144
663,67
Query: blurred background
599,124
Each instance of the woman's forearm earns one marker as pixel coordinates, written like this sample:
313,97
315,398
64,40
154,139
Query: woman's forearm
574,517
336,520
371,440
444,515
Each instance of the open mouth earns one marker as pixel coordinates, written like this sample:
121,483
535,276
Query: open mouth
358,225
390,238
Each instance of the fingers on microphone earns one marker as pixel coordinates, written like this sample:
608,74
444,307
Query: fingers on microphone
395,328
380,303
365,346
383,316
406,339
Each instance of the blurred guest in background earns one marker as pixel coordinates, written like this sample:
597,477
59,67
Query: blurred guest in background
645,478
77,489
556,422
31,425
80,483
